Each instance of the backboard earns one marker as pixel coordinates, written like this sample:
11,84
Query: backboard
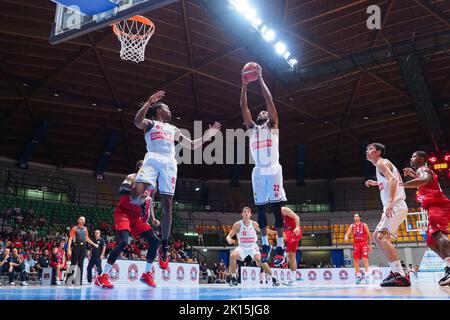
75,20
416,221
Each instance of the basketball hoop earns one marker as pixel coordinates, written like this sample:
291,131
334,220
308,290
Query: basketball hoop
133,35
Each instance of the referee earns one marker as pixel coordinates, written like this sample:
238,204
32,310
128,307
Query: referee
78,236
97,254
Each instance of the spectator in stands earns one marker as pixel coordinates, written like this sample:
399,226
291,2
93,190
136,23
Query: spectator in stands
177,244
143,253
17,268
4,265
29,263
42,262
222,272
200,232
204,271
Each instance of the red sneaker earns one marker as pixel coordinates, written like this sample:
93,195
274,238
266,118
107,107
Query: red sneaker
147,278
103,282
163,259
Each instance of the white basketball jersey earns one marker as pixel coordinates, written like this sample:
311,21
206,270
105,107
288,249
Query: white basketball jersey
384,187
264,145
247,235
160,139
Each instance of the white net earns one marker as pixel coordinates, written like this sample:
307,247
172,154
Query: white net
133,35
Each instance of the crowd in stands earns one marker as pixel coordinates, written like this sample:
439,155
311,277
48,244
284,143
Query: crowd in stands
24,251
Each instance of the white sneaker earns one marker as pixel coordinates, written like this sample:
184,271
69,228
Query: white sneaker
12,284
290,283
24,283
59,283
367,279
358,280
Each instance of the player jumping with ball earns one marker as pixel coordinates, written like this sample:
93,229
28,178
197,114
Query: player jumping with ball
267,175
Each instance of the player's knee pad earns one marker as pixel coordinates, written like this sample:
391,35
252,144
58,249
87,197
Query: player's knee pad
277,214
262,219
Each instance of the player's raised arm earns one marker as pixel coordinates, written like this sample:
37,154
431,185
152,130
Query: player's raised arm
139,120
424,177
233,232
246,115
273,114
194,144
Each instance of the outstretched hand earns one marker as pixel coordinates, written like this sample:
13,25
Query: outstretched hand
156,97
409,172
212,131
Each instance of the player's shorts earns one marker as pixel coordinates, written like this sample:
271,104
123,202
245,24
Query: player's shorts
392,224
360,250
247,251
291,240
159,168
130,222
438,218
267,184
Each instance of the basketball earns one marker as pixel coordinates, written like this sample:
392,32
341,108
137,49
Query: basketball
249,72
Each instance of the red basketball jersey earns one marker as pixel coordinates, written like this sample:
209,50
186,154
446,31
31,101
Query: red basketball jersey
359,232
431,192
125,204
289,223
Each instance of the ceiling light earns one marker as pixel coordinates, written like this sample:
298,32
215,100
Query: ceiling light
269,35
240,5
280,48
250,14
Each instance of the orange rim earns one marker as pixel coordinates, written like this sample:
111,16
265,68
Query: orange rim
140,19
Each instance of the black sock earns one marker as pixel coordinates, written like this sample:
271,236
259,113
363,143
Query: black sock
164,246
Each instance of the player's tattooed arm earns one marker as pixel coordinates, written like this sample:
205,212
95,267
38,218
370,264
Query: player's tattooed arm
423,177
273,114
139,120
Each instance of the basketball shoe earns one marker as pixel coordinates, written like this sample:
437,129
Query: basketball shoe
147,278
445,281
102,281
397,281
